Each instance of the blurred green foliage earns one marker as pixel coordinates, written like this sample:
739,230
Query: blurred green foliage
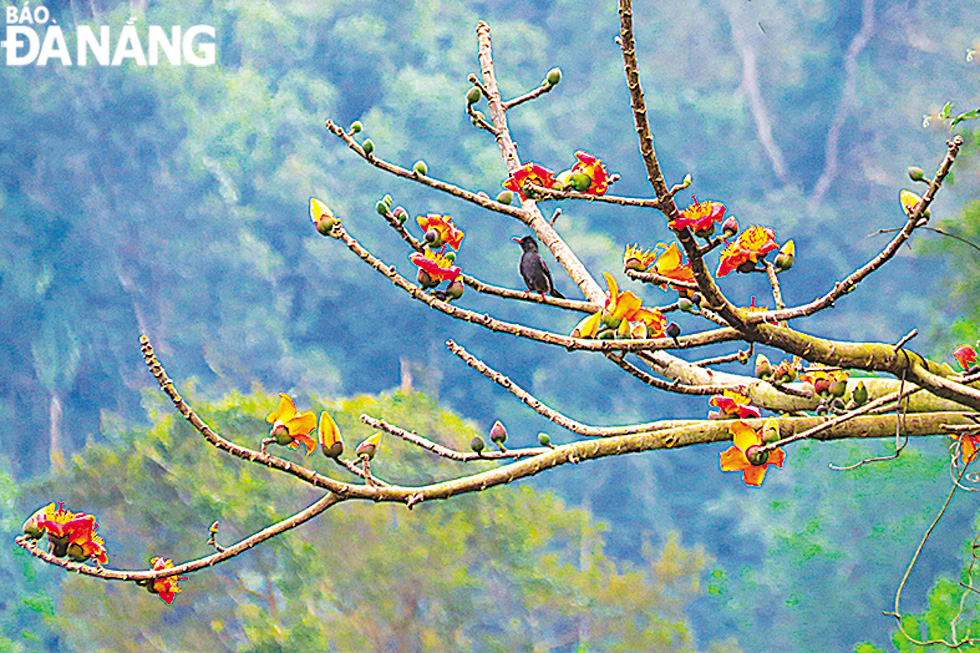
512,569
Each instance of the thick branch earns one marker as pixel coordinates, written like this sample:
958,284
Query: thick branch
532,216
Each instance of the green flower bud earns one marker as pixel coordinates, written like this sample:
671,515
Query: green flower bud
505,197
916,174
388,199
473,95
367,146
554,76
579,182
685,305
356,126
420,167
477,444
381,208
838,388
450,256
77,553
425,281
756,456
400,214
859,394
455,289
433,238
763,368
281,434
544,439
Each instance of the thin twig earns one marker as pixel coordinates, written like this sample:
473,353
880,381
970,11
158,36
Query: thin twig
446,452
542,409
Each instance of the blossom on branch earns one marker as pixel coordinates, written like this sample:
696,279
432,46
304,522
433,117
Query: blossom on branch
827,382
290,427
671,264
588,175
440,230
966,356
700,217
69,534
167,587
623,316
530,173
636,258
733,403
750,246
434,268
744,455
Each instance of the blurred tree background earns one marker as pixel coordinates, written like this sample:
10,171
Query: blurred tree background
172,200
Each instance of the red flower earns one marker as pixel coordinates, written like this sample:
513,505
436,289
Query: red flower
733,403
436,267
445,232
69,533
592,168
167,587
751,245
966,356
700,216
746,443
530,173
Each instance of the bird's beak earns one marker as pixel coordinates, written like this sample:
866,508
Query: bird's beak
516,240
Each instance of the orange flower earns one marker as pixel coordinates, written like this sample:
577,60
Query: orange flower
530,173
292,428
592,168
636,258
733,403
966,356
167,587
751,245
968,446
434,268
69,533
439,230
671,264
700,217
624,312
746,443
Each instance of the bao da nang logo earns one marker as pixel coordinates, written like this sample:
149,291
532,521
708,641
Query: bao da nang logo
34,38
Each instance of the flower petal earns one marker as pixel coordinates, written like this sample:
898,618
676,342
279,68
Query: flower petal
285,410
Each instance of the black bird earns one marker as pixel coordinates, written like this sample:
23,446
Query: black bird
535,271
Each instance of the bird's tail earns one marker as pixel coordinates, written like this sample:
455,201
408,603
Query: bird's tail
556,294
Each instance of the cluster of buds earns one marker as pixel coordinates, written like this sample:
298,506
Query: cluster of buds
69,534
786,371
826,383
